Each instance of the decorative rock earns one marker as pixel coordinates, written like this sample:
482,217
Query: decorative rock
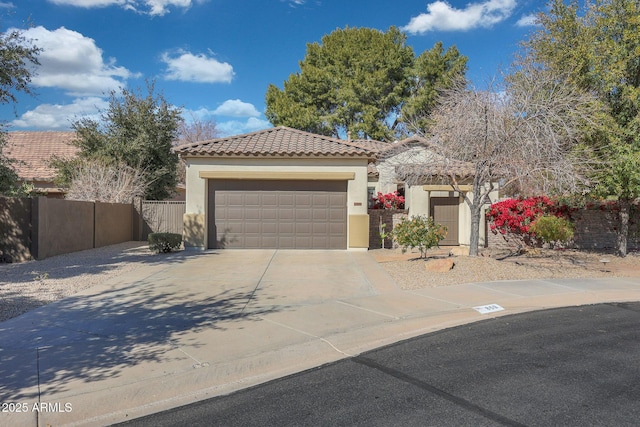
459,251
439,265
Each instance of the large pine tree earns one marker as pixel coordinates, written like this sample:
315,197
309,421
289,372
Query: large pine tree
363,81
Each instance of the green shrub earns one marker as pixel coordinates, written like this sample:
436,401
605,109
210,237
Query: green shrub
551,229
418,232
164,242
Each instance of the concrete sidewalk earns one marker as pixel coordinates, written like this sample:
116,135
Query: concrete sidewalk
203,325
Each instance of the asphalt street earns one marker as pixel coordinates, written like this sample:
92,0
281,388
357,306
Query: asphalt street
577,366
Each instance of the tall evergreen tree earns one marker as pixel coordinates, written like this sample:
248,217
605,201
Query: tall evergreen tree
360,80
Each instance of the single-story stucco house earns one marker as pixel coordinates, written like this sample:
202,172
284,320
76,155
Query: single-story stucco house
276,188
285,188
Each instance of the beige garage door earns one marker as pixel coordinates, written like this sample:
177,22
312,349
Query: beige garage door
265,214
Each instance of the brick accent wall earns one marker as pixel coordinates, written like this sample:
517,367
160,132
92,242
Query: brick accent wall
390,218
594,230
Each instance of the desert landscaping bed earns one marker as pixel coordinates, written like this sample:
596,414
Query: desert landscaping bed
410,272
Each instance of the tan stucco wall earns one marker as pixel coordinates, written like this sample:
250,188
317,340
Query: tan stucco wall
61,226
113,223
196,194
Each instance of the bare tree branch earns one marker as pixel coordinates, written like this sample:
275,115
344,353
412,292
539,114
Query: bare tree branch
525,133
97,181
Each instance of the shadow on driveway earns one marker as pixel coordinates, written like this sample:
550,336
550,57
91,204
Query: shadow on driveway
93,337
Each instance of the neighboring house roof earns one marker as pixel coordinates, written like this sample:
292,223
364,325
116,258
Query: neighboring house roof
32,152
278,141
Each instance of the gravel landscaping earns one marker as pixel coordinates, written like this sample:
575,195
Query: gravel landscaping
28,285
32,284
409,271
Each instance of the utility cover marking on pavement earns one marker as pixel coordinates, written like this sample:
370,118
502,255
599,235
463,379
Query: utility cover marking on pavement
486,309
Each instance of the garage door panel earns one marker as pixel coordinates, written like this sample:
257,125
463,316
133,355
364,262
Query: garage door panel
304,199
268,242
335,242
252,227
286,199
303,215
286,228
335,199
286,242
252,213
278,214
232,213
269,228
320,228
320,215
233,199
303,242
269,213
303,228
337,229
252,199
252,242
286,214
269,199
336,215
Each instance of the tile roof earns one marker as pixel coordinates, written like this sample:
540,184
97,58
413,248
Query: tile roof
437,168
33,150
278,141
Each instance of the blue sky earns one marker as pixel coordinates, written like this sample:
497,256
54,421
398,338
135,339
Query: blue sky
215,58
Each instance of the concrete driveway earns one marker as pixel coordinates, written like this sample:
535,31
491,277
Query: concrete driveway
202,325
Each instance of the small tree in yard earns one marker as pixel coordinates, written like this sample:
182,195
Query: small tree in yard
419,232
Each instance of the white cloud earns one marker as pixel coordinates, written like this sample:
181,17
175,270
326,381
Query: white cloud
197,68
151,7
229,127
441,16
236,108
73,62
56,116
527,21
237,127
6,5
